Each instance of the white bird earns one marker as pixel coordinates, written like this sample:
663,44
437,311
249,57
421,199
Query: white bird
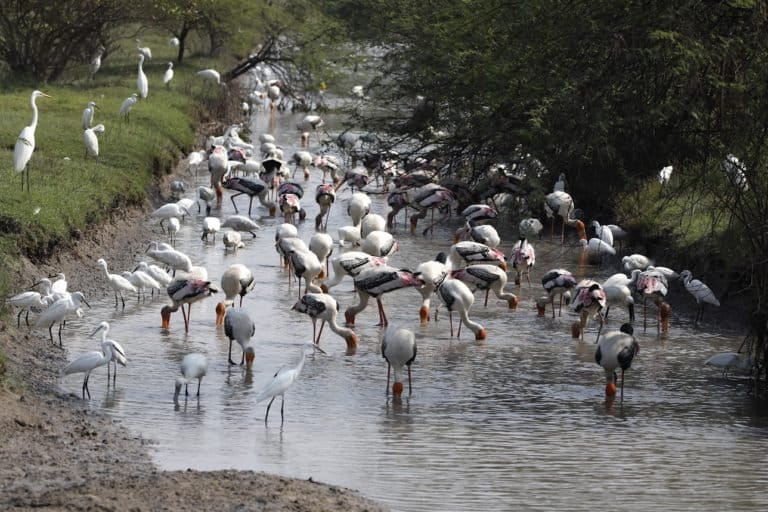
207,195
665,174
372,222
322,245
734,170
603,233
485,234
26,301
588,300
727,361
325,308
211,226
306,265
118,352
155,272
352,264
236,280
700,291
619,294
349,235
523,259
560,184
635,261
145,51
127,105
617,349
472,252
302,159
238,326
168,75
88,362
241,223
174,259
169,211
309,124
561,204
357,91
193,366
142,281
95,64
118,283
459,298
25,142
60,310
379,243
432,273
273,92
174,225
59,286
88,114
174,41
375,282
92,141
596,248
178,187
556,282
398,348
359,206
141,80
530,227
283,380
232,240
210,74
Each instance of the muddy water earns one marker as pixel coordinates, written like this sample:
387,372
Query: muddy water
517,421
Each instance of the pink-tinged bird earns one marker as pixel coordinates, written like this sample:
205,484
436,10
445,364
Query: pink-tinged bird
431,197
185,291
471,253
556,282
457,297
588,300
376,282
486,278
523,259
325,196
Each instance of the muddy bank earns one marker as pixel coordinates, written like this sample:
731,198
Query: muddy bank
60,455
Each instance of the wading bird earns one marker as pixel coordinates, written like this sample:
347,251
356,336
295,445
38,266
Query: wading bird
25,142
168,75
184,291
616,350
211,226
95,64
432,273
176,260
118,283
325,195
236,280
127,105
88,362
398,348
283,380
238,326
118,353
523,259
556,282
252,187
241,223
27,301
374,283
63,308
701,292
459,298
193,366
486,278
210,75
325,308
727,361
88,114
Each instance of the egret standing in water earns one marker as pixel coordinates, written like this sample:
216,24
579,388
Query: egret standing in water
284,379
118,353
88,362
193,366
25,143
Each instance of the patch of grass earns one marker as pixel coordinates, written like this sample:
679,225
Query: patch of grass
70,192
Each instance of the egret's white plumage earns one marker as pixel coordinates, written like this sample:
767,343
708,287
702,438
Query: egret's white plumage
193,366
283,380
92,141
118,283
88,362
25,142
210,74
700,291
61,309
88,114
127,105
142,84
727,361
168,75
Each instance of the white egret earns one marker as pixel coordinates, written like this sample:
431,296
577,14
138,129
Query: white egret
141,80
127,105
193,366
210,74
398,348
26,301
142,281
174,225
88,114
727,361
168,75
145,51
282,381
118,283
174,41
118,353
211,226
88,362
92,141
616,350
700,291
665,174
60,310
25,143
59,286
95,64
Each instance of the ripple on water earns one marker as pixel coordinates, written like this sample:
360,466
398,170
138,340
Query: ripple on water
518,421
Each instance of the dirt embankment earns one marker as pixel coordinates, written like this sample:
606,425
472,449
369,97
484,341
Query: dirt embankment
58,454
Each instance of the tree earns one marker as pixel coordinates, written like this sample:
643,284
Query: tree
39,38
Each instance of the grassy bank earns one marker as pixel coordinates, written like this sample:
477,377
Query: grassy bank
70,192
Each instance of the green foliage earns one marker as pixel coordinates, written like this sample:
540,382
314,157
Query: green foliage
68,195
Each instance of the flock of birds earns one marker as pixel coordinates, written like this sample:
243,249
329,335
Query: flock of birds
472,263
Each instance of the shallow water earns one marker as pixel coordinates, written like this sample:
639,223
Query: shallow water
517,421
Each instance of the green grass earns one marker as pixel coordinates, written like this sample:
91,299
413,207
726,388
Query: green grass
69,192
